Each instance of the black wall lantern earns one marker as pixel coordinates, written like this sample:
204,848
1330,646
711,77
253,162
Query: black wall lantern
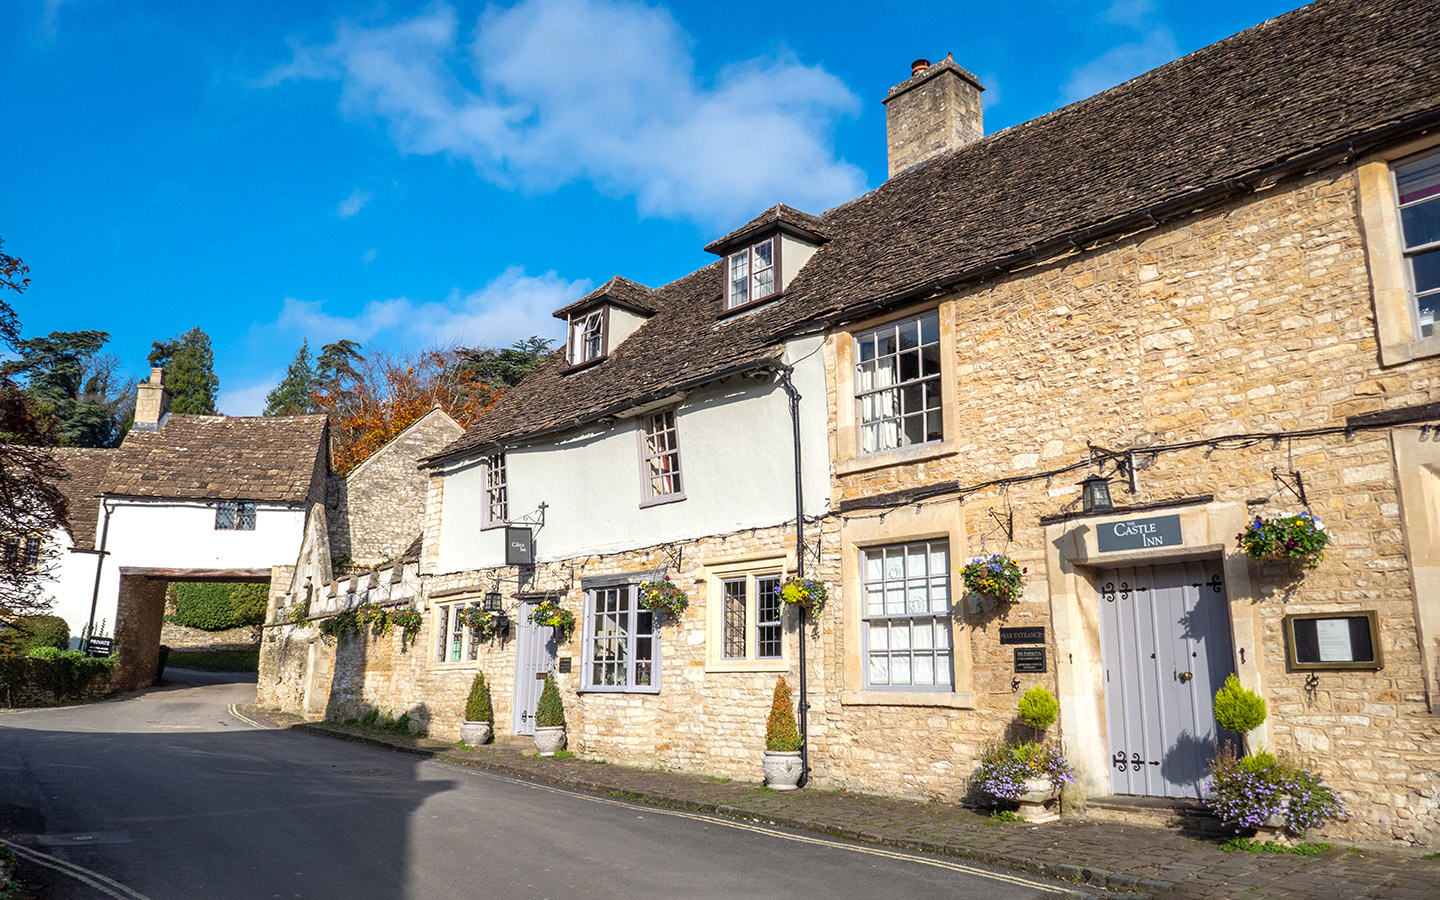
502,625
492,601
1095,494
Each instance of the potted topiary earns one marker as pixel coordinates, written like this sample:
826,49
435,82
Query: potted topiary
1239,709
549,719
1274,796
1030,774
479,715
782,763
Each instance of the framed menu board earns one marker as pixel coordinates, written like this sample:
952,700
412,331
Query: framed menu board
1349,640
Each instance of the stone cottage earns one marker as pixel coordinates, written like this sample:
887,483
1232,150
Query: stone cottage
1205,295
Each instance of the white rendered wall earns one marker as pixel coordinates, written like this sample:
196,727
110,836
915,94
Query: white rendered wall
179,534
71,582
736,464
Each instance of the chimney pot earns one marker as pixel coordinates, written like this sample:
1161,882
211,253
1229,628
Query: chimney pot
927,116
918,66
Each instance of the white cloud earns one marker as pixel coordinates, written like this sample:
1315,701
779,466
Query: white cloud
369,256
1135,14
512,306
50,17
554,91
248,400
352,204
1121,63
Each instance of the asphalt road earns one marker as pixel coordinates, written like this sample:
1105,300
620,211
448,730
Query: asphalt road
166,795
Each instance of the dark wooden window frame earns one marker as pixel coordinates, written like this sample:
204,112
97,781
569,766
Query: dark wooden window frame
777,243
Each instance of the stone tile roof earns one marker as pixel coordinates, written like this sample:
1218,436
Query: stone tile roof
1294,91
85,470
270,458
621,292
803,223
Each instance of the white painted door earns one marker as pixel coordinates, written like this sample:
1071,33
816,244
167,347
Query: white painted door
535,653
1165,639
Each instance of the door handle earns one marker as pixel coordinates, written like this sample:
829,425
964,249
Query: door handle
1186,676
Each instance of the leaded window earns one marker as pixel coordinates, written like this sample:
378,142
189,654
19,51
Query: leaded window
661,450
1418,187
31,559
232,515
497,491
897,384
752,274
906,628
621,642
751,625
736,603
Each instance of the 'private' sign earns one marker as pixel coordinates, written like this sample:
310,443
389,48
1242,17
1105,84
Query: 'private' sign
1140,534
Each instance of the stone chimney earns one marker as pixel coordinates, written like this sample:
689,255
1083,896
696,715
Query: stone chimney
152,402
936,109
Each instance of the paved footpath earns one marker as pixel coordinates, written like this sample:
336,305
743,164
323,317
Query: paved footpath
1163,863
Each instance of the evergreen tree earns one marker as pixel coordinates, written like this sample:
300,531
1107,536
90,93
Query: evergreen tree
189,365
335,370
73,387
500,369
292,396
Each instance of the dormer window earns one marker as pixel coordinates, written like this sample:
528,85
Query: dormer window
587,337
752,274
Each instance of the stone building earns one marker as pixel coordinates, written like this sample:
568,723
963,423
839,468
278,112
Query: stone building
1210,289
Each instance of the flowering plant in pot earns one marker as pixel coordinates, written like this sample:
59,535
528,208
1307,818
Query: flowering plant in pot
550,612
663,594
1274,796
1029,774
373,617
1297,537
806,593
996,575
479,714
782,764
549,719
479,621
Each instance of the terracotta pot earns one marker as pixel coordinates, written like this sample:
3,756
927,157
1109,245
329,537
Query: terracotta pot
548,740
782,769
475,733
1038,791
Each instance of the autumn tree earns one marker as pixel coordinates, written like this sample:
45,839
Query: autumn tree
292,396
371,398
74,386
31,506
189,365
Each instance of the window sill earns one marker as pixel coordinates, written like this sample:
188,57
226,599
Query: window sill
955,700
751,305
615,690
661,501
575,367
1399,354
493,526
748,665
903,456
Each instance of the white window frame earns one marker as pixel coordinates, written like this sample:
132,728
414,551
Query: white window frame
940,624
496,492
630,635
230,515
882,410
749,572
583,347
752,275
446,627
1409,253
666,424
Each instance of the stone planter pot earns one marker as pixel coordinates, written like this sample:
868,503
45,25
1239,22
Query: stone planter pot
782,769
1038,792
1273,828
548,740
475,733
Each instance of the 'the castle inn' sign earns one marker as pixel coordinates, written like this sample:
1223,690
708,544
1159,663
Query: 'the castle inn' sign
1139,534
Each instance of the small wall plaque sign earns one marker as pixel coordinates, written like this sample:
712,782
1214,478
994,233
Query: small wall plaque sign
565,663
1030,659
1139,534
1035,635
1333,640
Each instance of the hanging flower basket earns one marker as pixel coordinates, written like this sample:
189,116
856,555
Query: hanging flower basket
663,594
806,593
373,617
997,576
480,622
408,619
551,613
1287,537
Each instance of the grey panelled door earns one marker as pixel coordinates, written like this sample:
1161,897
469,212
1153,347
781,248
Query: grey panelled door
1165,638
534,656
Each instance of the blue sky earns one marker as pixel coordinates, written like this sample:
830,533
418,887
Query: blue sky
413,175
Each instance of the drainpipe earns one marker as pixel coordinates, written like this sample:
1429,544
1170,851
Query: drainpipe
788,386
99,563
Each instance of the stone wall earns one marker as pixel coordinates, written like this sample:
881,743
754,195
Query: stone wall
139,615
178,637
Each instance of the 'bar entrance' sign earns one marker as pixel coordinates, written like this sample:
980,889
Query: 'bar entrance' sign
1139,534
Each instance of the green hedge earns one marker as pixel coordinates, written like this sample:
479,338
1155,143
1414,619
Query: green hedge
26,633
216,607
62,674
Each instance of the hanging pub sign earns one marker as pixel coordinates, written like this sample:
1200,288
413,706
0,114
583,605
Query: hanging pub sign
1333,640
1030,659
519,547
1139,534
